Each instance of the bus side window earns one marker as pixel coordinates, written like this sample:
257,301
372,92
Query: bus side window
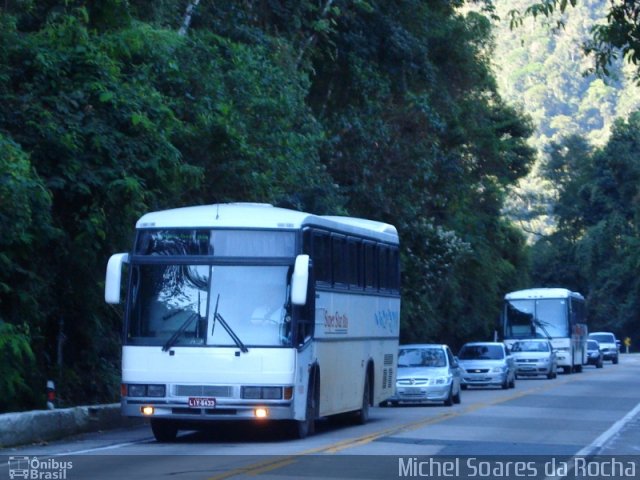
321,256
370,266
383,265
306,313
354,253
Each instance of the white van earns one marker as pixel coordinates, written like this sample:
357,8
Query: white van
608,345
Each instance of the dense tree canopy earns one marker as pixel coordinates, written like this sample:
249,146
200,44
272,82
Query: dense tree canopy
595,248
380,109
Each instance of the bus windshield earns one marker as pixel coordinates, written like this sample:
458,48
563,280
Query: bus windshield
541,318
209,305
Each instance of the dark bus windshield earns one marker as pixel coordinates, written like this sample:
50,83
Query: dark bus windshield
542,318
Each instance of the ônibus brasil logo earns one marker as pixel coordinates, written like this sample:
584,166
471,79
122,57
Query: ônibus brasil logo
35,469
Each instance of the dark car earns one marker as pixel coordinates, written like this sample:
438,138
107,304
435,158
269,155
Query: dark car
594,354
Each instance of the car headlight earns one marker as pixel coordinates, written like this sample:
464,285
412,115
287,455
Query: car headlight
440,381
501,369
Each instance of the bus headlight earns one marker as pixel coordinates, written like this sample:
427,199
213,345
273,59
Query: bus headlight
156,390
265,393
136,390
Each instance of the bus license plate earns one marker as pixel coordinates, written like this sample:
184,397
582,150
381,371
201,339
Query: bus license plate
202,402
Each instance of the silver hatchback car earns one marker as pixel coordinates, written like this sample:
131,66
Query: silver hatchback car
487,364
535,357
427,373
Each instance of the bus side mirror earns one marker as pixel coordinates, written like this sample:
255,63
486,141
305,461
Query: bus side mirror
300,280
113,277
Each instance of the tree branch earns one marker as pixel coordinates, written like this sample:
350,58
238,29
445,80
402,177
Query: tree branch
314,35
187,17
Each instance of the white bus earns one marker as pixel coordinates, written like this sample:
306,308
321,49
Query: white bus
557,314
251,312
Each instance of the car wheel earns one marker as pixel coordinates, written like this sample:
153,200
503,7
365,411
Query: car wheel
457,398
505,384
512,384
615,360
600,363
463,387
449,401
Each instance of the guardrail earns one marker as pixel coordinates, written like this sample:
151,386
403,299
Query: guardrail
22,428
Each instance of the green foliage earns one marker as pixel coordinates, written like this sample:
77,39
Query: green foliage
386,110
542,71
595,249
420,138
608,42
16,364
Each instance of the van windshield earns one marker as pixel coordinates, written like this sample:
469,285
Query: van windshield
603,337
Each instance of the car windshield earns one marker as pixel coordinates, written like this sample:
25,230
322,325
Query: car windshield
481,352
530,347
421,357
592,345
603,337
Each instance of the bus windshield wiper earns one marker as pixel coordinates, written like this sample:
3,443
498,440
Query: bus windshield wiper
225,325
179,331
538,323
232,334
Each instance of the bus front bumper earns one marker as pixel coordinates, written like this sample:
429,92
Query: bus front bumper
222,411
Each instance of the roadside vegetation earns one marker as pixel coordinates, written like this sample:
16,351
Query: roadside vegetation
384,110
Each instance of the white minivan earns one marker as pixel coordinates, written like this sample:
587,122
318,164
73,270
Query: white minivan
608,345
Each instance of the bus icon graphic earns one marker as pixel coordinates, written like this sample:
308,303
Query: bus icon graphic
18,467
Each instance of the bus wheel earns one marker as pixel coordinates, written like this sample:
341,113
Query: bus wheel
164,430
362,415
306,427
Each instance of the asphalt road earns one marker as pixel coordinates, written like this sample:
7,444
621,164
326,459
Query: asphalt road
575,426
